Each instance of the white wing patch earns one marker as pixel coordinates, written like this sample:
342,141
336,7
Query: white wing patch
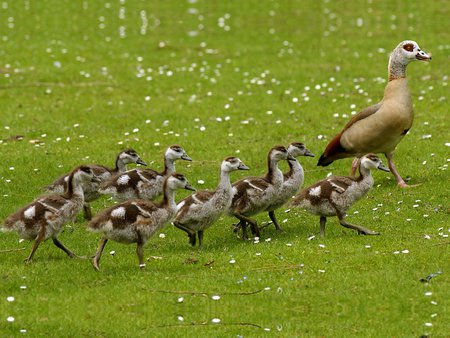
30,212
123,179
180,205
194,197
253,186
118,212
315,191
143,212
336,187
233,191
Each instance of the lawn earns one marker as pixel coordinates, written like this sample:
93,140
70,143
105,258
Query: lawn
81,80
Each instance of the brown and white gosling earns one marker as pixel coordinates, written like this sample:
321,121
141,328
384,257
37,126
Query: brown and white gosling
254,194
143,183
44,218
379,128
334,195
103,173
293,180
135,221
199,211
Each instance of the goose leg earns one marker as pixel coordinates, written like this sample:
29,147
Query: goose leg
237,227
39,238
140,251
190,233
355,165
63,248
274,220
323,221
400,181
96,259
87,212
361,230
200,238
140,254
253,224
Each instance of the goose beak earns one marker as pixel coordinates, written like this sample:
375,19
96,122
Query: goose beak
308,153
242,166
383,167
186,157
139,161
189,187
422,56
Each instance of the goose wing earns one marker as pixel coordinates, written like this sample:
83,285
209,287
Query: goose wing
335,150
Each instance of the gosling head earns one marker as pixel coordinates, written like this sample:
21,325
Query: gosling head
176,152
178,181
297,149
372,161
131,156
280,153
233,163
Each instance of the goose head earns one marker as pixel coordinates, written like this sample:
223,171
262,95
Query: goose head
280,153
130,156
407,51
233,163
176,152
372,161
178,181
297,149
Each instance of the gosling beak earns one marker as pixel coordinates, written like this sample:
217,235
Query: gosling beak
186,157
422,56
242,166
139,161
189,187
308,153
383,167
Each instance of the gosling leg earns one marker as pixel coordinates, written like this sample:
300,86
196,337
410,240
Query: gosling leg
96,259
323,221
39,238
361,230
63,248
274,220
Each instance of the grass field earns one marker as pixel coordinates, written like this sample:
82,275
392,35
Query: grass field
81,80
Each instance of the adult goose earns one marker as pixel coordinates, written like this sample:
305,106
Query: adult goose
103,173
379,128
199,211
334,195
143,183
44,218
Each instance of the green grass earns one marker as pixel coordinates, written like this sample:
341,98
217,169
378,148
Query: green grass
81,90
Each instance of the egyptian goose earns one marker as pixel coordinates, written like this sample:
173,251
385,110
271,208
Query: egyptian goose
199,211
254,194
379,128
45,217
143,183
293,180
334,195
103,173
135,221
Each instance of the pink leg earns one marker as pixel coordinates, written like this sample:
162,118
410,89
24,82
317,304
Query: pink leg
400,181
355,165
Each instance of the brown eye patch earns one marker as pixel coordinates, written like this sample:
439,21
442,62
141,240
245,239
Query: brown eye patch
408,47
